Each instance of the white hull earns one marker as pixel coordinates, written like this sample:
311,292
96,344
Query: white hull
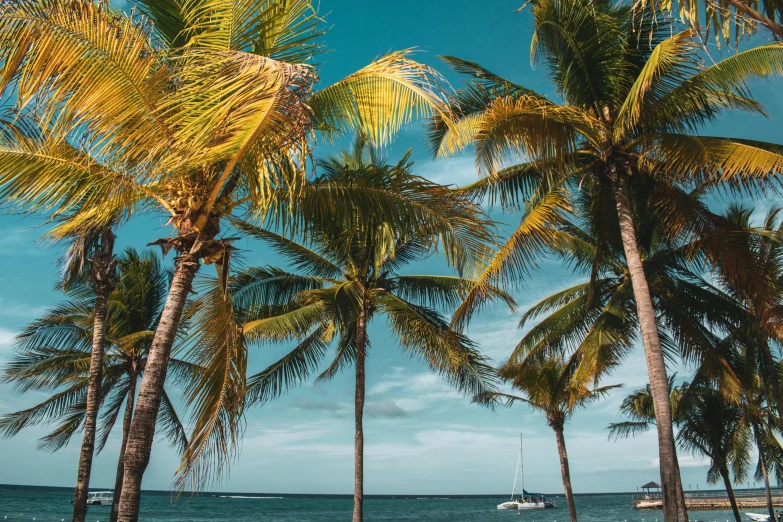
521,505
99,502
758,518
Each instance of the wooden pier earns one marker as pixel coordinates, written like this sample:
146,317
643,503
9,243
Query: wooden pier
713,500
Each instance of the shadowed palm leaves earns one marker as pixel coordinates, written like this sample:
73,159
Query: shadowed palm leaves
347,272
204,114
713,426
633,99
549,386
54,355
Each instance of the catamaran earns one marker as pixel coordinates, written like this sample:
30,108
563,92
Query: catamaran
525,500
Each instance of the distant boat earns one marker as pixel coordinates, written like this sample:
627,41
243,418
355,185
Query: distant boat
758,518
100,498
524,500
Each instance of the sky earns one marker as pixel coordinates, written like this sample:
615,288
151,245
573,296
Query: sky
420,436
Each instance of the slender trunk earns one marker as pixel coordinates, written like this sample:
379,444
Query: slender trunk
126,424
564,470
682,507
730,491
139,446
656,366
771,375
764,473
361,355
93,401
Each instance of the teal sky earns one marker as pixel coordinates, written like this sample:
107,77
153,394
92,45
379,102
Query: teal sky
421,436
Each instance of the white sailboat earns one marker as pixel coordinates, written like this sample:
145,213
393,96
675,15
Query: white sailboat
523,501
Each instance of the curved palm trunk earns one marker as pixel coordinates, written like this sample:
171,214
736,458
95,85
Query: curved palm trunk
126,424
727,482
656,366
103,284
565,472
139,446
764,473
361,356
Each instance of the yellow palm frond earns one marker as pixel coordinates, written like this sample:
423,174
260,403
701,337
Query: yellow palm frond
669,56
91,67
515,259
529,126
380,98
713,160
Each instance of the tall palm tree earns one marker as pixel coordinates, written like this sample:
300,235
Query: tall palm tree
349,272
91,257
633,99
549,386
55,354
211,112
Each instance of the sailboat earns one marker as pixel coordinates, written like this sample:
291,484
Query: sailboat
524,500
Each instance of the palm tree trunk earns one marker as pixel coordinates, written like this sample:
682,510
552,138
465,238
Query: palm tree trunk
771,375
730,491
565,472
358,481
139,446
656,366
126,424
682,507
764,473
93,401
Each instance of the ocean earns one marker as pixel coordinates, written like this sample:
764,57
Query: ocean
43,504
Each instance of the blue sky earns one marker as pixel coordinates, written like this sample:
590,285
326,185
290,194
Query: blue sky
421,436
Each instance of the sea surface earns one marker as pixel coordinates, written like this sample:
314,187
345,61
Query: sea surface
43,504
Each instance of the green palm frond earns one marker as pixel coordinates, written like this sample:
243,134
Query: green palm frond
426,334
442,291
294,368
216,394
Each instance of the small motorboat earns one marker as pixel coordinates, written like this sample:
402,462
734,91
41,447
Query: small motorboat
758,518
100,498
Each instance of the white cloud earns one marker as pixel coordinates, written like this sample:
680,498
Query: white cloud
457,171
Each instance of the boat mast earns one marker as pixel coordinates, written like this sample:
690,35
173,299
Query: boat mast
521,465
516,474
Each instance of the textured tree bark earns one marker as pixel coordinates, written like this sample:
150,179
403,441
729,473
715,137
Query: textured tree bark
102,276
733,501
682,507
126,424
139,446
764,473
565,472
358,481
656,366
93,405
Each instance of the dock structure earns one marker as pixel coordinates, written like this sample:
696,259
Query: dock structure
711,500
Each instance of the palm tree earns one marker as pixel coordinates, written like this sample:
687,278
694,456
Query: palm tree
211,110
55,354
710,425
91,257
632,102
349,272
549,386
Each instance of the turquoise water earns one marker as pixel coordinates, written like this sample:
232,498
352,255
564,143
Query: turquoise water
51,504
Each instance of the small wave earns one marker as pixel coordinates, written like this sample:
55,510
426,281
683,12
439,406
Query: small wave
258,498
